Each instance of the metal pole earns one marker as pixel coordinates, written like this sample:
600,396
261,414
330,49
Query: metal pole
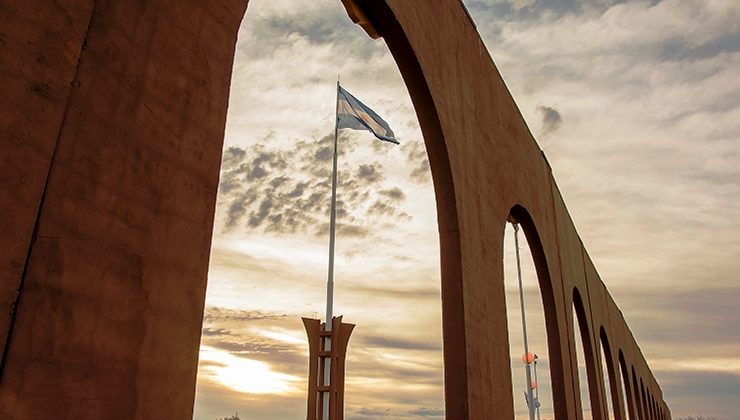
527,368
332,223
536,390
330,279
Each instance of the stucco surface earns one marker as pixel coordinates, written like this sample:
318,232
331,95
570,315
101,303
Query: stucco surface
109,315
40,49
115,115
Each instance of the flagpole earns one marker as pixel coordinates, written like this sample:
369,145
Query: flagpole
330,277
332,222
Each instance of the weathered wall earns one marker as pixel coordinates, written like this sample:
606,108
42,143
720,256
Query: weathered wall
113,115
40,49
116,118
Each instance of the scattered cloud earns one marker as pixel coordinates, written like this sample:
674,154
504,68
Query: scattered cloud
416,156
216,332
288,191
374,413
551,119
710,392
382,342
213,314
395,194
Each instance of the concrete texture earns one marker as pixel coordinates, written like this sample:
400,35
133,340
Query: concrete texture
117,123
113,116
40,49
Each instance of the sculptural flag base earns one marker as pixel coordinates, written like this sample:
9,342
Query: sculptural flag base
317,358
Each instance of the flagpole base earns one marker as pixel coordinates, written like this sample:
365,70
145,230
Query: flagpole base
317,359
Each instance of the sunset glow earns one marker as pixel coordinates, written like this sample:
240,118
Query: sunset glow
242,374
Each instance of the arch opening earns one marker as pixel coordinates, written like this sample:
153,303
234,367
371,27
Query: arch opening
639,396
540,311
645,402
627,390
399,336
585,361
610,378
531,296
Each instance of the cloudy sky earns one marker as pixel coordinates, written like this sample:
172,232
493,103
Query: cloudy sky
637,107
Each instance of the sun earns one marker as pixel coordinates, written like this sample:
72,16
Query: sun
245,375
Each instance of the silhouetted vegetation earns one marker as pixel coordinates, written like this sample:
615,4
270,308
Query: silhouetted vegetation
236,417
697,418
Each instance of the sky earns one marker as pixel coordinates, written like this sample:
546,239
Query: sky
636,105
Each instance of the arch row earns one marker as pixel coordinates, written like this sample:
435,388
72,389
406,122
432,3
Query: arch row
114,184
603,329
494,170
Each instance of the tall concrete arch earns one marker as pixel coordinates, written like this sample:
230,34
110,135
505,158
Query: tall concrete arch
628,387
593,379
612,371
115,119
561,373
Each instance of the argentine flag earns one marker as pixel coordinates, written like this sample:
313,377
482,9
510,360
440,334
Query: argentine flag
351,113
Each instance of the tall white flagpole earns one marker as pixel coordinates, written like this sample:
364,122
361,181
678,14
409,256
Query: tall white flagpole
332,222
330,279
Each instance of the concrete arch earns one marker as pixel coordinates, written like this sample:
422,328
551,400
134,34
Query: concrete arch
454,333
645,402
129,102
653,407
612,372
555,345
593,379
639,396
629,389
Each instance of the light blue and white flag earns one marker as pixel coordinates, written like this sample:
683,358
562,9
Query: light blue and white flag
351,113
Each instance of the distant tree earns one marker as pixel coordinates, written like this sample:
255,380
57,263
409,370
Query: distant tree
697,418
236,417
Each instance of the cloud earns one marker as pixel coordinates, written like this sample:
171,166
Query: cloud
287,191
710,392
519,4
395,194
215,332
215,314
670,323
247,334
399,343
374,413
369,173
232,156
324,154
416,156
551,119
428,412
253,347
